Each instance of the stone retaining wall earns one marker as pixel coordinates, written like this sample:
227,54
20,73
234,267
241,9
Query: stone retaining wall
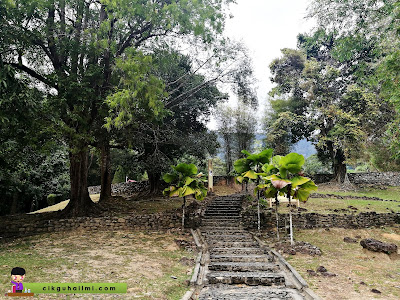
379,178
124,188
32,226
128,188
314,220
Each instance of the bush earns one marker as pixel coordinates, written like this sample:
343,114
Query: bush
54,199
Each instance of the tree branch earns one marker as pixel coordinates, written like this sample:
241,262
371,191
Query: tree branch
32,73
128,41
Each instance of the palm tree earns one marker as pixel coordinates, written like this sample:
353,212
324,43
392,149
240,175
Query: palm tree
288,181
249,169
185,181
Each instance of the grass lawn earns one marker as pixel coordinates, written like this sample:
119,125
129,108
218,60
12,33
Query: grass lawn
358,271
144,260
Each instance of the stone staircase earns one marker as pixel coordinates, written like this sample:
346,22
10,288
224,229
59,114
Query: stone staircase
238,267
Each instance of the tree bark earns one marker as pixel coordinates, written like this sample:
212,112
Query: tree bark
154,182
105,170
14,203
80,201
339,167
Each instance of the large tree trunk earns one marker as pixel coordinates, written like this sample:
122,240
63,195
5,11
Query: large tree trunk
14,203
80,201
154,182
339,167
105,170
228,153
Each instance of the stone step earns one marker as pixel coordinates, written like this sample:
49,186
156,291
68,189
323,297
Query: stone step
224,206
218,231
226,202
235,227
222,211
217,218
240,258
237,251
222,216
213,240
220,224
243,266
249,278
234,244
233,292
230,237
221,219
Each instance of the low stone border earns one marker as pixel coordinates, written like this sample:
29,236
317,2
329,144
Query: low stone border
315,220
35,225
318,195
197,280
295,278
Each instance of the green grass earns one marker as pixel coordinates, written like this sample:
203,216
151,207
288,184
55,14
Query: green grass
144,260
351,263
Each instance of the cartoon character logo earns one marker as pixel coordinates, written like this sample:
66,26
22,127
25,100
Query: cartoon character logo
17,276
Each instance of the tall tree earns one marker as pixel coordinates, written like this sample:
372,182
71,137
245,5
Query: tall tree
336,112
72,48
237,127
376,21
181,128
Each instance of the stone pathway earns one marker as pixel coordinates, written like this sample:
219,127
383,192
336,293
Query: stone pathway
238,267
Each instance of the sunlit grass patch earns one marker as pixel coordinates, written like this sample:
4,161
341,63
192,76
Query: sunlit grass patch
353,265
144,260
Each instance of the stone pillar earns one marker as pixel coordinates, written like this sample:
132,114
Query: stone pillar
210,176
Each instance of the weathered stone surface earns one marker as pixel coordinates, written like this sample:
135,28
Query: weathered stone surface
301,247
230,292
349,240
236,259
314,220
378,246
322,269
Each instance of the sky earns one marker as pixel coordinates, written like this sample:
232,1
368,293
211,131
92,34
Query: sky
266,27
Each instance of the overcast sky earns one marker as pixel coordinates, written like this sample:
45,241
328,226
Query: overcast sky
266,27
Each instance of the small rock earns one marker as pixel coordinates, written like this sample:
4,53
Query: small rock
186,261
363,283
312,273
174,277
349,240
328,274
322,269
327,229
376,291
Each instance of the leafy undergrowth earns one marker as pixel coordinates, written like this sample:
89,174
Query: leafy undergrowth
144,260
358,271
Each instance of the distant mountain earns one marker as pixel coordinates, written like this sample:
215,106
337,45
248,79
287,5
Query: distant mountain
305,148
